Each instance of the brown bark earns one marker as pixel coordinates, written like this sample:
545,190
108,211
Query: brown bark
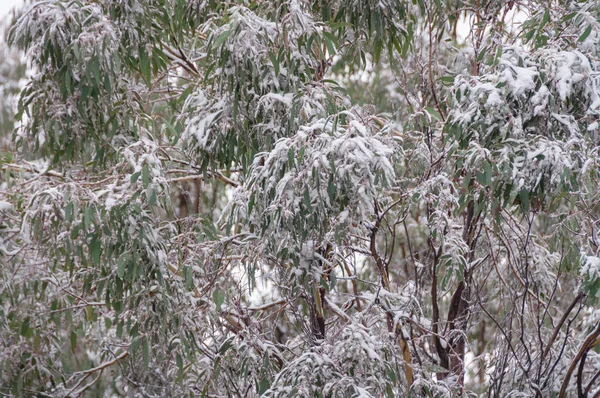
385,281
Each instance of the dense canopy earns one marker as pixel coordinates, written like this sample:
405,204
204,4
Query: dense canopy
332,198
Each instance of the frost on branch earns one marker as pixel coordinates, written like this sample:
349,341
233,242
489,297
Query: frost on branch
78,98
196,207
522,114
319,184
352,364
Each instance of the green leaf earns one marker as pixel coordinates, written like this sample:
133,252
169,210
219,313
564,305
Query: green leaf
568,17
89,312
135,344
73,340
433,113
332,280
88,217
291,157
585,34
324,284
120,329
331,190
145,352
218,298
145,176
134,177
134,332
545,18
529,35
227,344
481,55
188,278
301,154
263,386
447,80
332,38
121,265
170,128
95,250
275,63
25,328
145,66
85,92
524,198
151,195
307,201
179,361
221,39
69,212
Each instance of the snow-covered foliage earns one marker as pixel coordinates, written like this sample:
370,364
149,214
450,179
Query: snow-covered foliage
317,185
342,198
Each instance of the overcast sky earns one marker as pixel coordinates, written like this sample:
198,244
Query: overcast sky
7,5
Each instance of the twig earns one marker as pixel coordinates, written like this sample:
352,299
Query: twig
87,386
88,372
268,305
196,177
592,340
105,365
559,326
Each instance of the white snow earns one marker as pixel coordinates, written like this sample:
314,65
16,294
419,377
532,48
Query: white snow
5,206
591,267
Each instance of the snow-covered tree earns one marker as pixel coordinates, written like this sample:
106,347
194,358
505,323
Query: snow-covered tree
333,198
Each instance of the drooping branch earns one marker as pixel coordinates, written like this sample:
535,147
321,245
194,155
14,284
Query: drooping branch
590,342
385,280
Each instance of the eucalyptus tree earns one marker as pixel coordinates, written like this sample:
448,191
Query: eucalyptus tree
302,198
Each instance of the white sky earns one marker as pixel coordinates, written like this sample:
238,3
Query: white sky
7,5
